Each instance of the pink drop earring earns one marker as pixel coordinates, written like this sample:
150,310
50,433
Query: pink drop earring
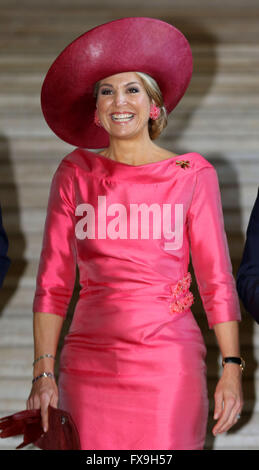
96,119
154,112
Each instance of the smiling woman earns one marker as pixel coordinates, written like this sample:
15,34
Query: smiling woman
125,110
155,126
132,371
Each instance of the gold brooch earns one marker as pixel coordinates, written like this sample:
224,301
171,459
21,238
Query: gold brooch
183,163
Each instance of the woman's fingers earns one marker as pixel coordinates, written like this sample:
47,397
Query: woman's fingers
233,418
227,405
54,400
228,417
33,402
48,397
218,404
45,401
228,400
42,395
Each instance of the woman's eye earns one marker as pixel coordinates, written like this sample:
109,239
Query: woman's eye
133,90
105,91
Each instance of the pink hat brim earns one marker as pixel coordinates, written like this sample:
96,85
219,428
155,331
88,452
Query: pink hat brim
125,45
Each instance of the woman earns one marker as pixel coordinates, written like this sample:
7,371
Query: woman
132,369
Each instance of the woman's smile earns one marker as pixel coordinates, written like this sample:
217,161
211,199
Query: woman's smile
122,100
122,118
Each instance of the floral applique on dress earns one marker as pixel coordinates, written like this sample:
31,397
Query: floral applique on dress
183,163
181,297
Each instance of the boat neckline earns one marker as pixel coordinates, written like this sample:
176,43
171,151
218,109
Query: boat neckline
115,162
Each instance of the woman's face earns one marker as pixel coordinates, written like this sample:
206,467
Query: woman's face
123,105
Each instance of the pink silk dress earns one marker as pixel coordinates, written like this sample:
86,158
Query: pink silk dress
132,368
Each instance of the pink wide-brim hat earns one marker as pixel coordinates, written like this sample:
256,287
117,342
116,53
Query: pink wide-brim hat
132,44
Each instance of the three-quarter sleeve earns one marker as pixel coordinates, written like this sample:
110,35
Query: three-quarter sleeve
209,250
57,265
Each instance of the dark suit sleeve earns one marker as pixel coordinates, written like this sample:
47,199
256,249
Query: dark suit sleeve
248,273
4,259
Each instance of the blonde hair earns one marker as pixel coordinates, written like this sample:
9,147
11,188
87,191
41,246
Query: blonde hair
155,127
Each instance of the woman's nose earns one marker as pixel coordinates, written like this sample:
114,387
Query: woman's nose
119,97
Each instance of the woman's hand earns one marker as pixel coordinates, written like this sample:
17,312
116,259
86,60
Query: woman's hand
228,398
44,392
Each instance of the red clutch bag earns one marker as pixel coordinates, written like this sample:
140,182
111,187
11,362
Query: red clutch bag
62,433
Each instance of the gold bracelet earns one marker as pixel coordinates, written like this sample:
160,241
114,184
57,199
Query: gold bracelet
41,357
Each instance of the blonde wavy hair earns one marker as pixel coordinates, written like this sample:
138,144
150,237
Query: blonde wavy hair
155,127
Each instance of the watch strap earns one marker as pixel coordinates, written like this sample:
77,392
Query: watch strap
235,360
